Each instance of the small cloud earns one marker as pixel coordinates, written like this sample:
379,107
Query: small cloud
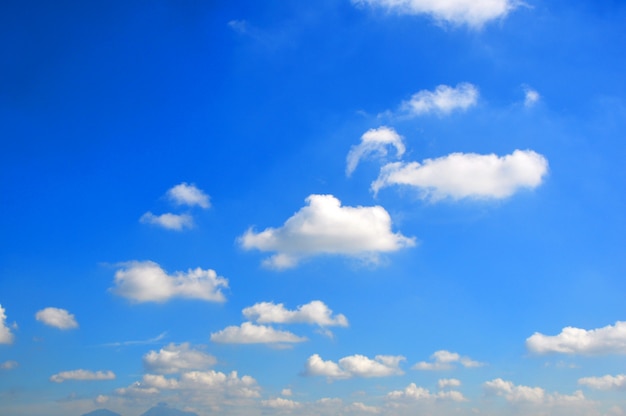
326,227
146,281
249,333
82,375
414,393
137,342
280,403
286,392
531,97
315,312
188,194
8,365
471,13
374,143
239,26
442,101
175,358
354,366
444,360
6,337
169,221
531,395
607,382
448,382
610,339
467,175
362,408
57,318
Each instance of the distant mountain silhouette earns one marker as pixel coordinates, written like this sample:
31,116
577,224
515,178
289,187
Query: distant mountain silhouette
102,412
164,410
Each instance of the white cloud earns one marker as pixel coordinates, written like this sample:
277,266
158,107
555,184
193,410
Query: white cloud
203,383
531,97
248,333
473,13
82,375
58,318
414,393
286,392
448,382
170,221
8,365
607,382
444,360
531,395
185,194
363,408
354,366
314,312
443,100
608,340
146,281
467,175
280,403
374,143
176,358
326,227
6,337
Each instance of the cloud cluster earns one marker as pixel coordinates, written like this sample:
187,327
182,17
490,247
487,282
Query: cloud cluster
57,318
182,194
354,366
280,403
467,175
6,337
175,358
146,281
607,382
249,333
445,360
374,143
315,312
443,100
324,226
531,395
82,375
610,339
473,13
413,392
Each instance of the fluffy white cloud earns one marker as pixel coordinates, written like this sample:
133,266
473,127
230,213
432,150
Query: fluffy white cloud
374,143
8,365
467,175
177,358
280,403
607,382
6,337
415,393
326,227
185,194
82,375
248,333
362,408
473,13
444,360
443,100
204,383
531,97
448,382
58,318
354,366
531,395
170,221
610,339
314,312
146,281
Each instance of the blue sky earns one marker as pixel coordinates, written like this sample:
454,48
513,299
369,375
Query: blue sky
332,207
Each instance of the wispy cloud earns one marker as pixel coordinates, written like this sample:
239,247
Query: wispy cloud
467,175
168,220
57,318
374,143
324,226
414,393
149,341
442,101
610,339
607,382
82,375
445,360
473,13
146,281
6,337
